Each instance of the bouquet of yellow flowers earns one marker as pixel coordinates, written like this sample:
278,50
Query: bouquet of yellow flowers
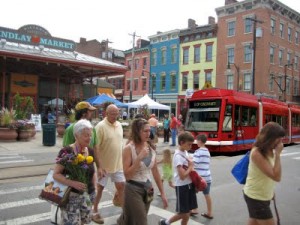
76,166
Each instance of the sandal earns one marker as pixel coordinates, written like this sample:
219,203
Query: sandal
97,218
207,216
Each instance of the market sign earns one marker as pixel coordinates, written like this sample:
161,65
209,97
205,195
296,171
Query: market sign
36,35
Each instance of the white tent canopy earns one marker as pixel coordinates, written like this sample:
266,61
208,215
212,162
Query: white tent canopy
146,100
53,102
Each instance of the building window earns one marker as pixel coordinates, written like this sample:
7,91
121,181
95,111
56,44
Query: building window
163,82
185,56
296,87
288,86
273,26
128,85
196,53
248,26
247,81
144,84
280,57
144,63
196,80
296,60
279,81
173,55
281,30
230,81
230,55
290,34
231,28
173,81
184,82
153,57
247,53
208,76
288,58
296,37
271,82
209,50
153,82
129,64
136,65
136,84
272,54
163,56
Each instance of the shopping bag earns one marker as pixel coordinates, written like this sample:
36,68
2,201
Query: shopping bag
55,217
240,169
55,192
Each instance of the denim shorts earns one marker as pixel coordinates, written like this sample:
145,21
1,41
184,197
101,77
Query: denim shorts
207,189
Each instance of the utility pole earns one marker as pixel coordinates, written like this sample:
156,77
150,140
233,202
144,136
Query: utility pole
254,20
132,65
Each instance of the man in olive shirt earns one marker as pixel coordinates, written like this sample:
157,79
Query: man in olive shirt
83,110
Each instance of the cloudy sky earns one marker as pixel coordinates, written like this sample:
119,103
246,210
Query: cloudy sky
114,20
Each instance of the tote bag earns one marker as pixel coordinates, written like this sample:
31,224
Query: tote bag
240,169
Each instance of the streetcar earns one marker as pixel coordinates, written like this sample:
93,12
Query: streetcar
231,120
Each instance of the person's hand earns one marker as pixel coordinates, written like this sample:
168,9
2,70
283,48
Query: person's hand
79,185
143,153
279,148
101,173
164,200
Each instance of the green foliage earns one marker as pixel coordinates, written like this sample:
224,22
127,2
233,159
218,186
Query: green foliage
23,105
7,117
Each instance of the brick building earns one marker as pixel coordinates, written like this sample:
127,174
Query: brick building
275,49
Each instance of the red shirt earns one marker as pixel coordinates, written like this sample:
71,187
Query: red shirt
173,124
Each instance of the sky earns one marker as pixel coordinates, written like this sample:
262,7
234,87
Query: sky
115,20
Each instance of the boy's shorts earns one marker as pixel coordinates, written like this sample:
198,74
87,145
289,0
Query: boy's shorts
186,199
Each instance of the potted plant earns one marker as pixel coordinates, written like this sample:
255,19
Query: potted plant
8,131
25,128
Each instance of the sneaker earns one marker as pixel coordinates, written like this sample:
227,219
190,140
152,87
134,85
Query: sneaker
162,222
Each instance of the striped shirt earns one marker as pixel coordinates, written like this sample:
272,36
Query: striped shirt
201,160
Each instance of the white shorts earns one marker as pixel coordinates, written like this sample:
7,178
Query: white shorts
116,177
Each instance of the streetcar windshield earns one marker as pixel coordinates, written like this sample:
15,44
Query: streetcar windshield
202,119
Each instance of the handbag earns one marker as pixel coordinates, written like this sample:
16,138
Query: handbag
55,192
240,169
198,181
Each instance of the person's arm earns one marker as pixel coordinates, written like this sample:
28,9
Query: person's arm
184,173
129,166
58,175
157,178
274,172
97,158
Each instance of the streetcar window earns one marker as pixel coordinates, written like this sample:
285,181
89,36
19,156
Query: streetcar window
202,119
295,120
227,123
245,116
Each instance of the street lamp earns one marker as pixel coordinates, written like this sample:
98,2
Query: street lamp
238,73
152,83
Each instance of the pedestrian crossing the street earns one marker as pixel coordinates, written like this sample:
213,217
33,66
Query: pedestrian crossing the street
20,206
13,158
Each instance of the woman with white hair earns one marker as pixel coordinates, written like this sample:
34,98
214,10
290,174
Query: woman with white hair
78,209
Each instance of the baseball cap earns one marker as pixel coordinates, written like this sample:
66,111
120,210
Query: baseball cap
84,105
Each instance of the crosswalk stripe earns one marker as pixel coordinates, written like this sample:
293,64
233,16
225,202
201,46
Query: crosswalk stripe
12,157
289,154
17,161
17,190
28,219
8,205
297,158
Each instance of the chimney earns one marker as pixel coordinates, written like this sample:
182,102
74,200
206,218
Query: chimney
82,40
138,43
211,20
228,2
191,23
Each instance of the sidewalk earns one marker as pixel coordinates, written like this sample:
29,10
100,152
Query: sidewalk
35,145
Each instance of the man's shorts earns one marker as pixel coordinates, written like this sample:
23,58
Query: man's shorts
116,177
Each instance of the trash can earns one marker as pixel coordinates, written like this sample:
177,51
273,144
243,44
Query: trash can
49,134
